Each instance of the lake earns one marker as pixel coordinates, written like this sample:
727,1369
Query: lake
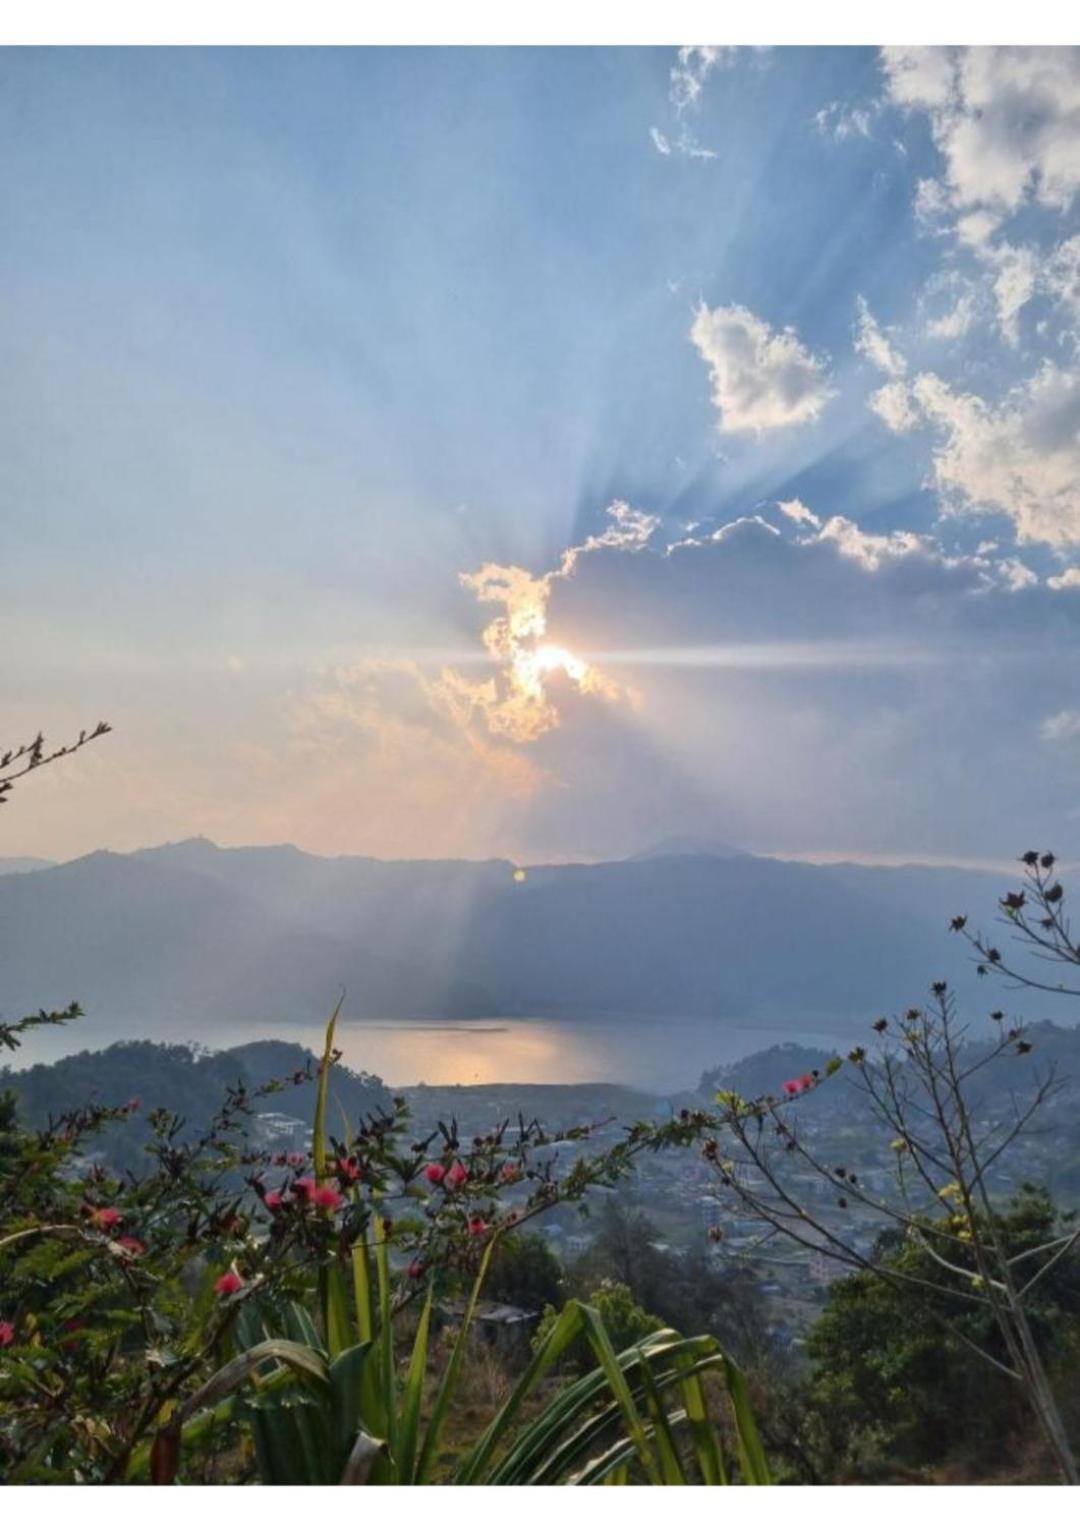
656,1054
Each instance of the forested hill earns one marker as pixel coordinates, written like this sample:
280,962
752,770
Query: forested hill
187,1081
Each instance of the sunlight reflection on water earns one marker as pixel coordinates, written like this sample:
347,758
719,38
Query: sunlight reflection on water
656,1054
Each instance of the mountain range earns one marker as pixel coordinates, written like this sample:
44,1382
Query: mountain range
190,930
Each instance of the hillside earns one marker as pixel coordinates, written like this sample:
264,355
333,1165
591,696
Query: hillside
190,930
183,1080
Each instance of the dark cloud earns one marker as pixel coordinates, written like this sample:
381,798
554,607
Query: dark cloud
812,689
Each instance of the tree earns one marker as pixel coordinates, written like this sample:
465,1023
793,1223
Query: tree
689,1289
922,1090
626,1323
526,1272
15,764
891,1377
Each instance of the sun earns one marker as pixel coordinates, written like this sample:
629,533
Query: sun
550,659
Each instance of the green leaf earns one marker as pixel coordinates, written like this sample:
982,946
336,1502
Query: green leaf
346,1398
408,1431
319,1133
336,1310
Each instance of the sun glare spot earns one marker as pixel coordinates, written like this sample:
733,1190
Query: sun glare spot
530,666
551,659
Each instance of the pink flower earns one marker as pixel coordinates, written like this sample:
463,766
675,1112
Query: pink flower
296,1158
457,1175
477,1226
7,1333
806,1082
435,1172
304,1187
348,1170
228,1283
326,1198
510,1172
273,1200
792,1089
136,1247
104,1219
134,1104
280,1158
415,1269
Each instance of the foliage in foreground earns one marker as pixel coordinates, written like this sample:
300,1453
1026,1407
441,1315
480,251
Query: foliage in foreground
897,1382
144,1314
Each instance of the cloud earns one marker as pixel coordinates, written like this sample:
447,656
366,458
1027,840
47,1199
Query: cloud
895,407
690,146
1014,285
1069,579
872,551
763,379
387,766
957,319
825,575
1060,727
627,529
818,684
920,77
797,511
685,144
1020,458
1015,575
1006,120
516,704
690,71
393,714
872,342
785,678
840,122
931,202
1061,276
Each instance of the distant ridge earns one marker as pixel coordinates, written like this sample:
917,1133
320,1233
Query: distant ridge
24,866
190,933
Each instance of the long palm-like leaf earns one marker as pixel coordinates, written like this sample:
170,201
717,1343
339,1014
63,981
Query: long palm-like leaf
165,1453
644,1408
319,1131
565,1436
409,1429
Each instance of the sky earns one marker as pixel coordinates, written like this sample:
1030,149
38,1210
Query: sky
543,452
